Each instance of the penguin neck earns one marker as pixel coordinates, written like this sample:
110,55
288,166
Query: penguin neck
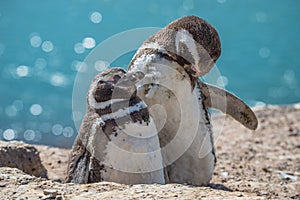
123,109
182,66
121,113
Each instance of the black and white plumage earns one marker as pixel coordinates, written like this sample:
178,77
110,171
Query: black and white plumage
118,139
172,60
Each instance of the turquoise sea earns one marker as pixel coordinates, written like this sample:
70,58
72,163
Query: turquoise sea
43,45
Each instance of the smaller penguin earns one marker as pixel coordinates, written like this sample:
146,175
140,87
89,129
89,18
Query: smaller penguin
117,140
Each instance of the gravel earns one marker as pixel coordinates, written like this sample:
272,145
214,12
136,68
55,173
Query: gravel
261,164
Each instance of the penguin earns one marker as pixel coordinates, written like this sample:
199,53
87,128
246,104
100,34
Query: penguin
117,140
172,60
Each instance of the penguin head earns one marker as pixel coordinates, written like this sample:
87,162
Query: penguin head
110,85
190,41
197,42
113,96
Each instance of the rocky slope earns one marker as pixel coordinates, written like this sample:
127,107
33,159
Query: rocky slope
261,164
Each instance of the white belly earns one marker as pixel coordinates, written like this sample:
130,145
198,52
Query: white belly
185,137
132,155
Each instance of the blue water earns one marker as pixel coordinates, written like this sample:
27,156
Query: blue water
41,47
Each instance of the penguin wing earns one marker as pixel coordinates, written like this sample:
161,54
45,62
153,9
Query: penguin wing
229,104
78,164
81,156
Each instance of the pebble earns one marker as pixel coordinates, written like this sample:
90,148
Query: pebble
294,133
48,197
287,176
24,182
225,174
2,184
22,188
50,192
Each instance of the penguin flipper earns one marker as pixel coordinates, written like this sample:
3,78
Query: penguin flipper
81,161
77,171
228,103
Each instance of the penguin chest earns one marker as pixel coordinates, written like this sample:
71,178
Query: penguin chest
131,154
184,130
195,166
133,148
175,109
167,91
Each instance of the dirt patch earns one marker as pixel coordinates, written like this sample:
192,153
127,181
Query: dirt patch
261,164
266,161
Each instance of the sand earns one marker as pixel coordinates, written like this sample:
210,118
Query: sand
261,164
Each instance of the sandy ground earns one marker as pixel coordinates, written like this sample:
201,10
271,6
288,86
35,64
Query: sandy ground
265,161
261,164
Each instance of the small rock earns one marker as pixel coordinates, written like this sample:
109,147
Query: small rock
266,169
22,188
50,192
22,156
287,176
294,133
48,197
24,182
225,174
2,184
297,196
